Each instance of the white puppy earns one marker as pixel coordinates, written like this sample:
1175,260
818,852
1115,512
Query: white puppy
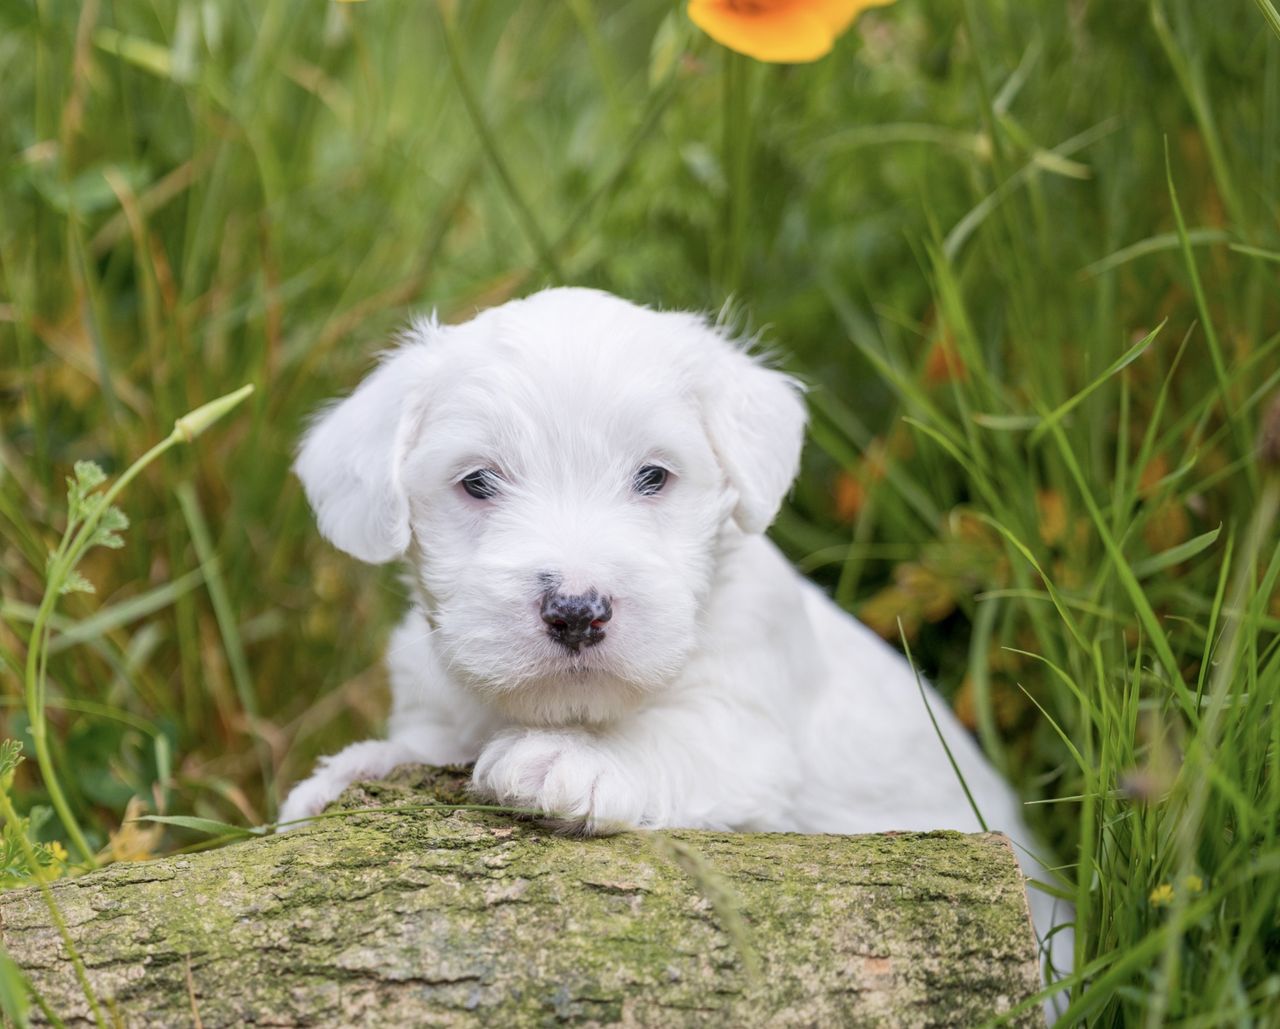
580,487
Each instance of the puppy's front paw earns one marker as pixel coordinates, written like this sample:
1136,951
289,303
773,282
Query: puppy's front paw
570,776
309,798
371,759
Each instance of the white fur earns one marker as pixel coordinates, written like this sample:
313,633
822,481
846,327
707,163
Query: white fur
728,692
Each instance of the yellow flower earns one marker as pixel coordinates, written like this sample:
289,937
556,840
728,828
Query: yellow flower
779,31
1162,895
1193,883
58,851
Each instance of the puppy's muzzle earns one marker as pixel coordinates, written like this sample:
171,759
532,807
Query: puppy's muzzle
576,621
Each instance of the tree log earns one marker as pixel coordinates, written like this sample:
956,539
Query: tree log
455,917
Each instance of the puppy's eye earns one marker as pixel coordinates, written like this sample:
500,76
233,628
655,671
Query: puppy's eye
481,484
649,480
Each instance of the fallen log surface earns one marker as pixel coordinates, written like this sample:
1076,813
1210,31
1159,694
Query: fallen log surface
438,917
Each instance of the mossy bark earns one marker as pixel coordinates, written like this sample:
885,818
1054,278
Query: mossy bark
464,918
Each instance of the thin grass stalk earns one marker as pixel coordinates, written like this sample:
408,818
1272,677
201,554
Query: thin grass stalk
1193,89
988,108
588,19
736,77
55,913
1270,13
489,143
230,633
69,551
1229,414
659,102
1137,596
937,730
10,969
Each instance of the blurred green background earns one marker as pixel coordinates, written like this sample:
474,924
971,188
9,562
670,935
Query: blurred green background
1034,417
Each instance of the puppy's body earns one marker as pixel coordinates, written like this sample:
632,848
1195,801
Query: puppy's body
511,461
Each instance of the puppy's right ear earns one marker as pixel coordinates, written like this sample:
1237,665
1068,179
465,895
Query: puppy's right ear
350,458
755,419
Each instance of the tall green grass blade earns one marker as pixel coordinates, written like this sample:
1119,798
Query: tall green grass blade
1176,555
1192,82
1206,319
116,616
1266,255
719,894
971,222
980,674
1155,245
1058,602
1269,12
1058,730
489,141
208,826
1095,716
1119,364
1124,573
937,730
15,992
228,627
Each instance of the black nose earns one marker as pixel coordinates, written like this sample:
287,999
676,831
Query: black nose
576,621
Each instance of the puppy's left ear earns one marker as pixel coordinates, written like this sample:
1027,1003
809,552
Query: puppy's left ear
755,419
350,458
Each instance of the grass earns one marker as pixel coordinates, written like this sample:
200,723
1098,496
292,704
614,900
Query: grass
1027,250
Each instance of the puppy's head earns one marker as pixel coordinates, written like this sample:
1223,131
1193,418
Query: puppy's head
562,472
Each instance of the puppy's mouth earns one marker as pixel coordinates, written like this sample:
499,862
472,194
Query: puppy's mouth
575,658
578,660
574,642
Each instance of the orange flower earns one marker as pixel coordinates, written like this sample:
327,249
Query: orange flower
780,31
850,496
943,363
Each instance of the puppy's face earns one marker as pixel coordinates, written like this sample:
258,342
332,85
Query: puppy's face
565,503
561,472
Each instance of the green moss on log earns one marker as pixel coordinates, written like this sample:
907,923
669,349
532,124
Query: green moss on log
463,918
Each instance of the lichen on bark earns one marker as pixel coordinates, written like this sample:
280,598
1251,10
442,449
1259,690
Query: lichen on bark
466,918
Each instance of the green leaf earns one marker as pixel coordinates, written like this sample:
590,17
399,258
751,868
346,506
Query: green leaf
1269,12
1006,422
1123,571
38,817
1116,366
209,826
114,616
670,43
76,583
1175,555
15,991
110,525
89,193
1154,245
142,53
10,758
1259,252
88,477
113,519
